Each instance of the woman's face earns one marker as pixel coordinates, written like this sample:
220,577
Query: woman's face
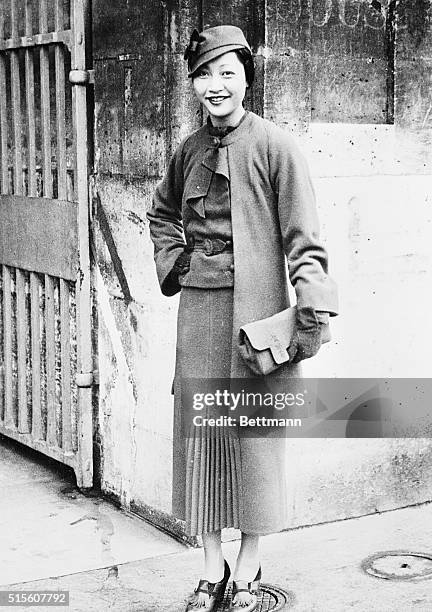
220,86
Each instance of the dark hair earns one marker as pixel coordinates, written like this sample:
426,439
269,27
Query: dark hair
246,59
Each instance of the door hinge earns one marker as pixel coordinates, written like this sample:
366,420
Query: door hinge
81,77
84,379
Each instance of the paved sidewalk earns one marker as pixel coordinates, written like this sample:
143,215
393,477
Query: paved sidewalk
52,537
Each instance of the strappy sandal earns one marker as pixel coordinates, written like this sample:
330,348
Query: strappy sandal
253,588
215,591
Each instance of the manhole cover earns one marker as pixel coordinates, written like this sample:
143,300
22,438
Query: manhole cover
270,599
399,565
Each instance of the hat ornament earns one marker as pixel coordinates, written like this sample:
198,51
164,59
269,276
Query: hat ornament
192,47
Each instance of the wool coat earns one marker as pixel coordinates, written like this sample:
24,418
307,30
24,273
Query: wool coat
275,236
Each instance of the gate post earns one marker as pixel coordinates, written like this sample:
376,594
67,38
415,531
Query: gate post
79,24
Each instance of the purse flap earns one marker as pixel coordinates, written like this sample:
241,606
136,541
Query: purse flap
273,333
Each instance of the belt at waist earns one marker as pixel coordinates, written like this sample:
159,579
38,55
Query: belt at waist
209,246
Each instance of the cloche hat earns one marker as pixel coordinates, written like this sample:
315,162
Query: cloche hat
211,43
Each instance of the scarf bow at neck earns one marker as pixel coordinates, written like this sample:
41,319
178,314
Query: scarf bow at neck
216,160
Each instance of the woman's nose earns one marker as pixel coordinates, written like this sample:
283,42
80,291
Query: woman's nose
215,83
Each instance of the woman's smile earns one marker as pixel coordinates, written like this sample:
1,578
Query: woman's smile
216,99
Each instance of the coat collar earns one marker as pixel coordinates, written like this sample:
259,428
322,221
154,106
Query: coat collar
241,130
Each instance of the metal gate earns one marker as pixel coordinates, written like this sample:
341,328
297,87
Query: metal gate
45,325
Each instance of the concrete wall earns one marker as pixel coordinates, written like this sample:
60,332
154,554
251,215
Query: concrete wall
375,211
373,187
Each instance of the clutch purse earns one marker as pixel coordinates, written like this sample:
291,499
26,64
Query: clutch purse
264,344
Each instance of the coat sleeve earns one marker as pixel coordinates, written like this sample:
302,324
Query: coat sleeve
307,257
166,226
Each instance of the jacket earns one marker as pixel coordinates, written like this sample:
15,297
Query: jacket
273,217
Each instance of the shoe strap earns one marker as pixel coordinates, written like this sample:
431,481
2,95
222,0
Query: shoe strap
241,586
204,586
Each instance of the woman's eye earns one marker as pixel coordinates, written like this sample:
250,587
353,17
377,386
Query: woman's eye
227,73
201,74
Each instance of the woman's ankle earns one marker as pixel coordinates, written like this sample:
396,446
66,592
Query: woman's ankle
246,568
214,564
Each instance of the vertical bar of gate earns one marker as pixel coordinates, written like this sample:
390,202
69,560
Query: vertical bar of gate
3,115
31,125
65,367
47,192
62,195
16,105
23,416
35,356
23,425
32,191
50,361
4,175
60,105
7,348
45,104
80,17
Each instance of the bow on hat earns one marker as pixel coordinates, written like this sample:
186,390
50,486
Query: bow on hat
192,47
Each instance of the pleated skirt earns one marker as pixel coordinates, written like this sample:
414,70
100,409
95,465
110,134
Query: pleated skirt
220,479
211,454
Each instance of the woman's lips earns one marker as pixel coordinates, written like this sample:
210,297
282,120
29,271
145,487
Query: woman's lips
216,99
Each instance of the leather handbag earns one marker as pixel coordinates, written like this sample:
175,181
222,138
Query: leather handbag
264,344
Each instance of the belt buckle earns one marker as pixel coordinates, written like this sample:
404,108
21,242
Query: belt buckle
208,246
213,247
218,245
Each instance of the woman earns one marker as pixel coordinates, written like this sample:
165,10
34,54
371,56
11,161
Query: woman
236,200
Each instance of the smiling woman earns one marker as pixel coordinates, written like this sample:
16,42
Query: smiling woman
236,200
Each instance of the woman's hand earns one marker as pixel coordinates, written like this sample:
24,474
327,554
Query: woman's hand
181,266
182,263
306,340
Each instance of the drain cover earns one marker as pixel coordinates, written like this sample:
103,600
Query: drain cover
270,599
399,565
